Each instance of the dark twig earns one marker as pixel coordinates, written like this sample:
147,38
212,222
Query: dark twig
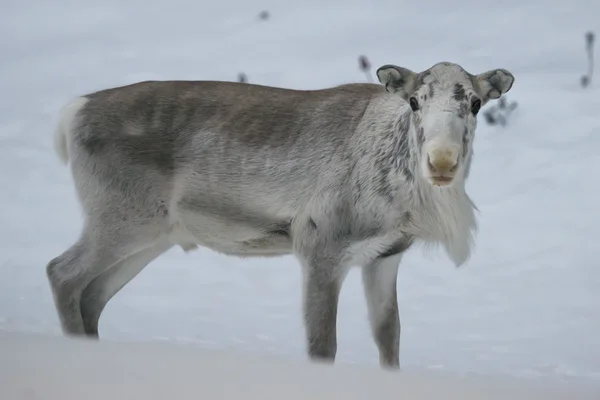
499,113
589,48
365,66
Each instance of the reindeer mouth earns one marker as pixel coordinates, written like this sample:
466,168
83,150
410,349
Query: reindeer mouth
441,180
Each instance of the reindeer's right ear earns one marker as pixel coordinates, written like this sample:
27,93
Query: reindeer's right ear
397,80
494,83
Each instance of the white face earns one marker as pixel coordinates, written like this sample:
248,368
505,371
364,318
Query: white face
444,117
445,101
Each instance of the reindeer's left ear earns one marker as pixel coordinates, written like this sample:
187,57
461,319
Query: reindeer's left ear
494,83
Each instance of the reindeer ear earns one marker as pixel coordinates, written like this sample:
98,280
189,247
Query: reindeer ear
494,83
397,80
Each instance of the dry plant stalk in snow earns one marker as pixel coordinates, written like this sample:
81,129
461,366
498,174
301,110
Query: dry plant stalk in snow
365,66
589,50
345,176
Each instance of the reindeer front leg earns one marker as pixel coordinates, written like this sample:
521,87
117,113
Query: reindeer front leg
379,281
323,273
321,292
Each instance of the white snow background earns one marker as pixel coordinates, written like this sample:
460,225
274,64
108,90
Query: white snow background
527,303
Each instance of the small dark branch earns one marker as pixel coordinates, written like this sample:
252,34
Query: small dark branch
489,117
365,66
589,48
502,103
509,109
499,113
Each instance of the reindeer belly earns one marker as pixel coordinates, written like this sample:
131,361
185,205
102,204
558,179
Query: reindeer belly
229,230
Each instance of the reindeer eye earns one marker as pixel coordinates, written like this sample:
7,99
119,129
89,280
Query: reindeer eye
475,106
413,104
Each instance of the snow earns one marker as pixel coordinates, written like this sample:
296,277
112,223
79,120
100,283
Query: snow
56,368
526,305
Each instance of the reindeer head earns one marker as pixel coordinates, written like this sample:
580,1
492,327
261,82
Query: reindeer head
444,102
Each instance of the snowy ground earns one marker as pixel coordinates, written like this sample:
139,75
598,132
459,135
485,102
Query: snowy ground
526,304
56,368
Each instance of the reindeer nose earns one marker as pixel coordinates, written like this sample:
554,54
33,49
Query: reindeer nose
442,161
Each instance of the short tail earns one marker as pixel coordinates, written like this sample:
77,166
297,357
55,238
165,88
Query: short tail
62,134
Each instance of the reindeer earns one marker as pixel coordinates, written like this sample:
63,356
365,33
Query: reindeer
351,175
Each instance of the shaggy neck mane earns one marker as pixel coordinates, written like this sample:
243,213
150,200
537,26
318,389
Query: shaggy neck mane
441,215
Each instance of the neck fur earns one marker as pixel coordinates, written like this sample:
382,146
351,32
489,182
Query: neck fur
441,215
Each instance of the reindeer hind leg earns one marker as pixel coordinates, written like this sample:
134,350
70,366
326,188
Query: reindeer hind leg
102,288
